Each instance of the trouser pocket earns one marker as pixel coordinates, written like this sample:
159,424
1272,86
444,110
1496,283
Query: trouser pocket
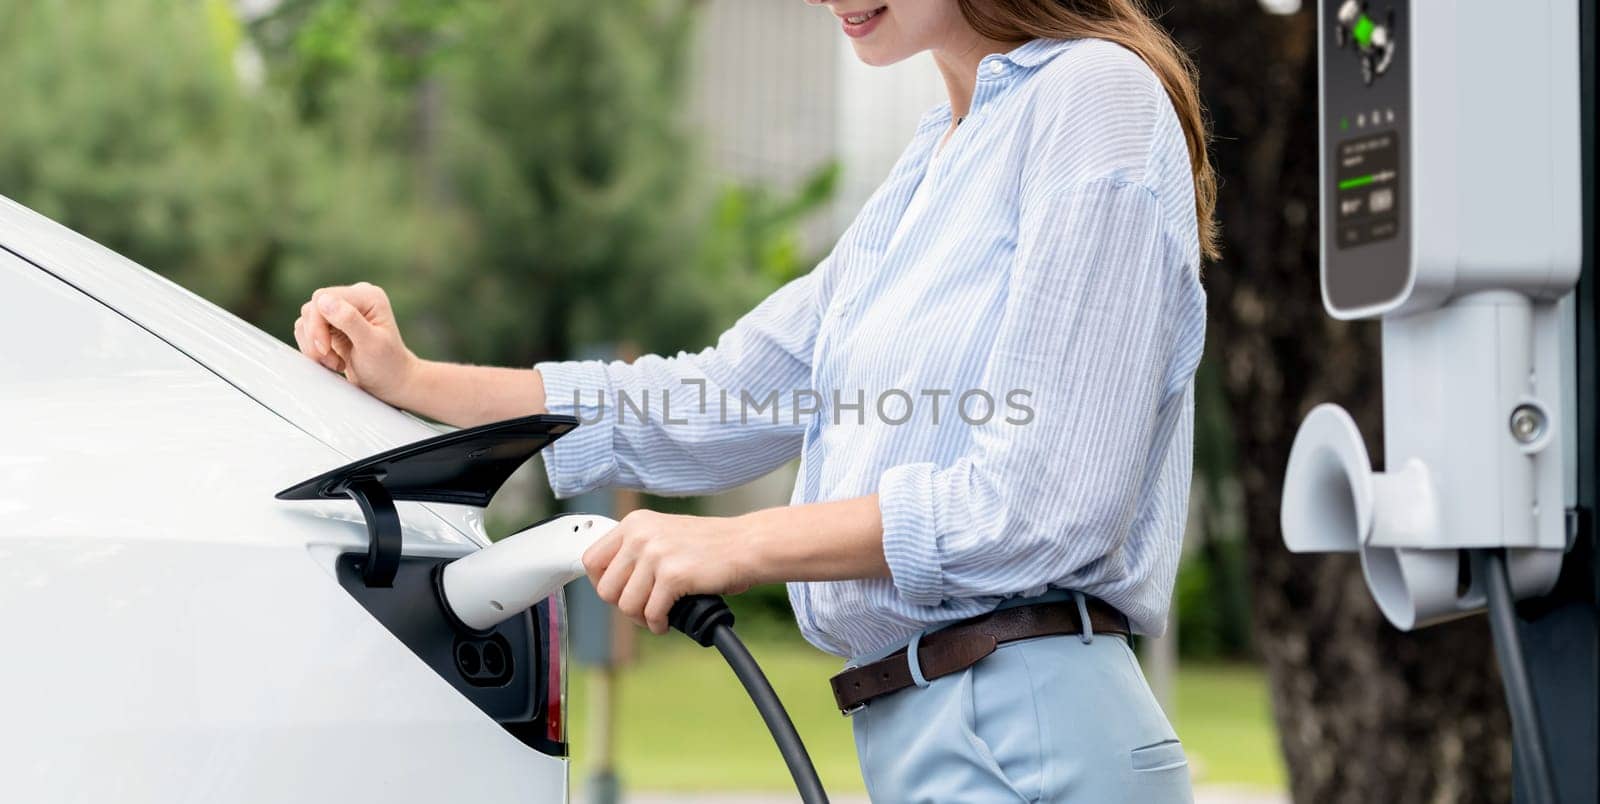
919,746
996,766
1001,719
1165,755
1160,774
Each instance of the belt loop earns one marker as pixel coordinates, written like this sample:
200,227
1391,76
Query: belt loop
1085,628
914,662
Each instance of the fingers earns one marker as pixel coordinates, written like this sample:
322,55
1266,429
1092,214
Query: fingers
300,340
365,296
342,315
341,349
639,568
601,553
369,299
615,577
315,346
637,592
659,607
314,331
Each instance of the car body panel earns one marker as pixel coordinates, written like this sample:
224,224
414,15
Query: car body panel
174,633
313,399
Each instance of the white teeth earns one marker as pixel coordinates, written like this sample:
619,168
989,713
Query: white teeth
857,19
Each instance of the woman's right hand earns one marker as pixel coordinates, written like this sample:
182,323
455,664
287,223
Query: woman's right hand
351,329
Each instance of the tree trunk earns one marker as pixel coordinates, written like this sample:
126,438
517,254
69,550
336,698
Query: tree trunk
1365,713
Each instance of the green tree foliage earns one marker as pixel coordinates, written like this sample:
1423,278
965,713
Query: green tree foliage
752,243
127,120
317,46
549,146
566,137
521,176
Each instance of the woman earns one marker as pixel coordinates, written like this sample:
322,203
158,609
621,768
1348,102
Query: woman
989,385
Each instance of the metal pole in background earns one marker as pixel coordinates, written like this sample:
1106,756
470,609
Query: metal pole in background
605,786
1159,656
601,642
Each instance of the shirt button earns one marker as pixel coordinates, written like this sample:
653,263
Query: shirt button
996,68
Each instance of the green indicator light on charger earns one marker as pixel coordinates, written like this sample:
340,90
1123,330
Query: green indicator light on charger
1356,181
1344,124
1362,31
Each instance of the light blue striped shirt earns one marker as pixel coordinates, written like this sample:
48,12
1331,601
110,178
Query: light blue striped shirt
1013,378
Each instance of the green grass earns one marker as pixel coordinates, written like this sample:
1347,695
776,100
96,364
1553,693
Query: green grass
684,723
1225,721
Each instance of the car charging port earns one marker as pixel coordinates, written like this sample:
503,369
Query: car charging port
484,661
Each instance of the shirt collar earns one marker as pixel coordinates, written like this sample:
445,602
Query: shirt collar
1025,56
1036,52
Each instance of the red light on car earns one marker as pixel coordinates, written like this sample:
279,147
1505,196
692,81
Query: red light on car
555,679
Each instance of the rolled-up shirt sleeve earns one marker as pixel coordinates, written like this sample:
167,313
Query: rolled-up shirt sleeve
694,423
1098,301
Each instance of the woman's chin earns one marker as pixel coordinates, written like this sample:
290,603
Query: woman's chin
874,54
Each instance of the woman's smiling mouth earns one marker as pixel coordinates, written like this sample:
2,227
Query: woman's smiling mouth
861,23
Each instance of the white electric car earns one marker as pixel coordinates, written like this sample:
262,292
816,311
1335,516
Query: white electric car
175,633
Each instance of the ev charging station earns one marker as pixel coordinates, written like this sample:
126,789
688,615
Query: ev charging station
1457,191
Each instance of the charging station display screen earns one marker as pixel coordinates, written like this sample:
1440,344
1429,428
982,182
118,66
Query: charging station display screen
1366,188
1365,97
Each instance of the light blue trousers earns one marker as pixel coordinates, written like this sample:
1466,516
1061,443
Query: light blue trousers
1047,719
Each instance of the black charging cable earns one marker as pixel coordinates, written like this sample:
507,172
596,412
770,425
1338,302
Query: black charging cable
1527,737
707,620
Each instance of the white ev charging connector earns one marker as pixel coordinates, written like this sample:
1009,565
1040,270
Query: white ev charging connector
510,576
1452,210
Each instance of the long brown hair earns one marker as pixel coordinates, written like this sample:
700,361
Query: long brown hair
1126,23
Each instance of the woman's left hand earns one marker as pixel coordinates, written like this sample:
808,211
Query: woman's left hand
651,559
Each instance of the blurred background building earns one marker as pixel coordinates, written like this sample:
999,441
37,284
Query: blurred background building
780,93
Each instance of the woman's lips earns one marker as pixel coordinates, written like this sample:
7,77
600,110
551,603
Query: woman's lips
861,23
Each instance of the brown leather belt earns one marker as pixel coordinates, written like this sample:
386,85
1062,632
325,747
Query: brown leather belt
959,646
